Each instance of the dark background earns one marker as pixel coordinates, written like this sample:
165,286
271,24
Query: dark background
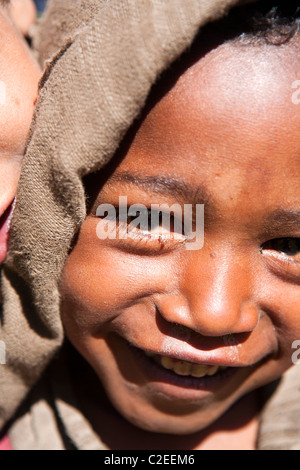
40,4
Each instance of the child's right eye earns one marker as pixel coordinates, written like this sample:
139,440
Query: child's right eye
157,224
155,231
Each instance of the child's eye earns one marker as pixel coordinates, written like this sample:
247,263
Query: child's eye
288,246
147,231
155,223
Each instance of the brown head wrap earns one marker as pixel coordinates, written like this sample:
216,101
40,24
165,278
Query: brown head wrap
105,57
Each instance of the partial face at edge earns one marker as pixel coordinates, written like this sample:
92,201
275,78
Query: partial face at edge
227,135
19,76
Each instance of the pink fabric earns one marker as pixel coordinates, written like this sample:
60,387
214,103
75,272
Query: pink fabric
5,444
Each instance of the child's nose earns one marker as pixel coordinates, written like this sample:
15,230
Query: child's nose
214,300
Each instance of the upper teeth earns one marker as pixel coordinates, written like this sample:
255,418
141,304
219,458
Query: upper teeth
186,368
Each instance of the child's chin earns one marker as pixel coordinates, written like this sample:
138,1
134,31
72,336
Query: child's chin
160,420
172,425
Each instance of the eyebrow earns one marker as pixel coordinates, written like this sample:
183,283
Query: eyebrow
164,185
275,221
283,219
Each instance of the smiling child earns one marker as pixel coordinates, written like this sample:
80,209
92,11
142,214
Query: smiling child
166,347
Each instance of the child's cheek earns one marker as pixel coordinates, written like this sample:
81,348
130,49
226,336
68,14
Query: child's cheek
280,300
100,282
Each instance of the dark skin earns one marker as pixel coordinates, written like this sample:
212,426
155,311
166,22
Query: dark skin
233,144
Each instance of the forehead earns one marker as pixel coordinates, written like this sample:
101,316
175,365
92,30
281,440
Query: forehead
232,107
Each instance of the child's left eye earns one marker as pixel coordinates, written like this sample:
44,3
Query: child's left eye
287,246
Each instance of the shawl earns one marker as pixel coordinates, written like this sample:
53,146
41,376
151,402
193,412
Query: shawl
100,60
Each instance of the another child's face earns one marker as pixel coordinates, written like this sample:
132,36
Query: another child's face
19,75
226,135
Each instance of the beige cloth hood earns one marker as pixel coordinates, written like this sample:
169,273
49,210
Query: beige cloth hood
104,58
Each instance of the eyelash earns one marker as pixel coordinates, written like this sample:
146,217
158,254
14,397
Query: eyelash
157,242
281,264
269,245
166,241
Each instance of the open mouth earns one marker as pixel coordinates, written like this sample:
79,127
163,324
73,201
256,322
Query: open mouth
184,368
5,220
165,370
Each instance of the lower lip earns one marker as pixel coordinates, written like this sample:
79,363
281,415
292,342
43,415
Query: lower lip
4,232
185,387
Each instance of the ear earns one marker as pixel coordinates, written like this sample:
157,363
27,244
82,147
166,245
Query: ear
22,13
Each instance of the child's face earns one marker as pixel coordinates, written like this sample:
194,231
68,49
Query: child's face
19,75
226,135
